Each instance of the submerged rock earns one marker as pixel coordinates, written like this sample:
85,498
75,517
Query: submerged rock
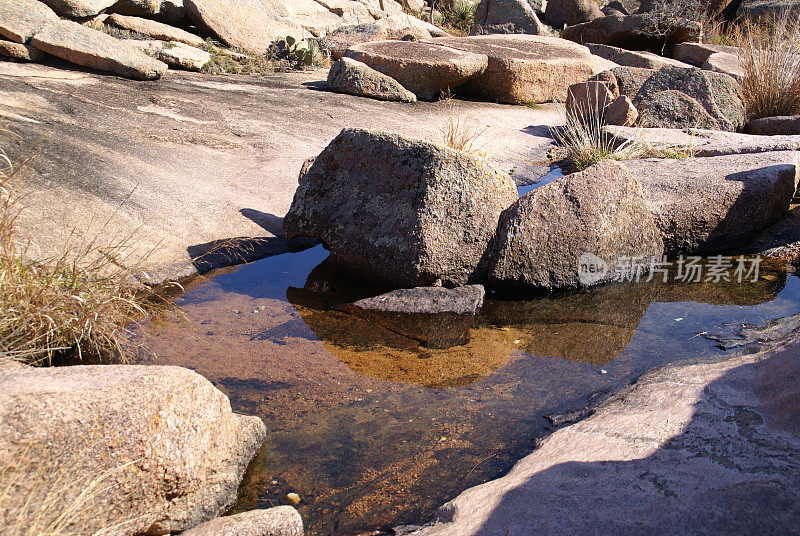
399,211
276,521
83,46
547,236
429,300
685,450
709,205
173,451
350,76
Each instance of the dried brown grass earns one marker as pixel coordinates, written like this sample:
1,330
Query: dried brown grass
461,132
770,56
73,305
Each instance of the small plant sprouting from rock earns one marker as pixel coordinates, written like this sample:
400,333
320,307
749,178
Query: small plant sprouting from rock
584,141
460,132
76,304
458,18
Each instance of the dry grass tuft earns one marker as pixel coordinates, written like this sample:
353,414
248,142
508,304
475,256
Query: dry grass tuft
461,132
770,56
584,141
75,305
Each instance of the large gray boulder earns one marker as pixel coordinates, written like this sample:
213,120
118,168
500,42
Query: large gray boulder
709,205
767,9
21,19
719,94
506,16
547,239
424,68
674,109
157,449
83,46
560,13
79,9
350,76
784,125
276,521
524,68
249,24
633,32
399,211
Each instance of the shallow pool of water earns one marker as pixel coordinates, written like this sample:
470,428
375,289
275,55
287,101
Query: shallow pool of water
376,420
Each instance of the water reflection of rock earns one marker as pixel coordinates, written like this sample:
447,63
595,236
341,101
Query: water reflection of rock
442,350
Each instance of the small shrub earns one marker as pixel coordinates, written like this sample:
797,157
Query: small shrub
458,18
584,142
461,132
770,56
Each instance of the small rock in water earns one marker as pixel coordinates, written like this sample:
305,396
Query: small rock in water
293,498
603,371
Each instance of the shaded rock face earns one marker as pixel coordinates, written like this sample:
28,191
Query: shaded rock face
426,69
631,79
83,46
709,205
400,212
19,52
153,29
559,13
428,300
786,125
673,109
633,58
632,32
277,521
717,93
544,237
767,9
506,16
698,53
524,68
174,450
350,76
21,19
